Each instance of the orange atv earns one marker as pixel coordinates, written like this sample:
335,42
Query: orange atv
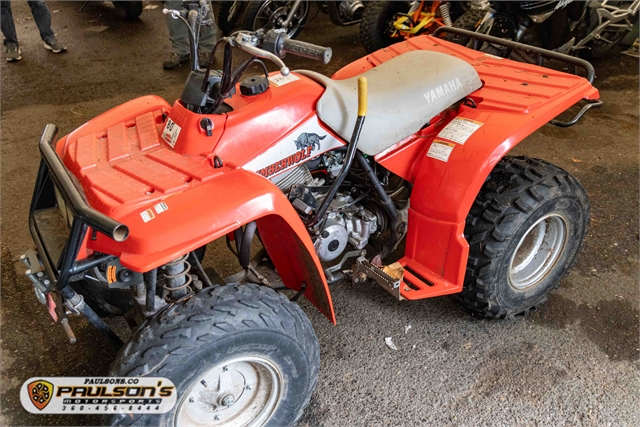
411,141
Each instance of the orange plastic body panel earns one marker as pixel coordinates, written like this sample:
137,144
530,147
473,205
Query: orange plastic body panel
515,100
174,201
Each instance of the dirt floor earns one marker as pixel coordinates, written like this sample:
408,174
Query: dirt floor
575,362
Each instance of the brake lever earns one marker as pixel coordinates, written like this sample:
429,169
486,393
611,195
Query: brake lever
260,53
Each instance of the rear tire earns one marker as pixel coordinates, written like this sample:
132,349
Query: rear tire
228,15
524,232
240,330
376,22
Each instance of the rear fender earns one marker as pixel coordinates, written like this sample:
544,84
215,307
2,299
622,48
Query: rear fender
193,218
444,192
515,100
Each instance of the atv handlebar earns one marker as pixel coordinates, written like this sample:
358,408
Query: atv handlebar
72,195
307,50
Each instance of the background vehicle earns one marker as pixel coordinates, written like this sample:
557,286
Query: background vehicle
292,15
229,14
388,22
504,230
587,28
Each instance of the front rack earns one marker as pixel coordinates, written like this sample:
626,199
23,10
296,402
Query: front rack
52,174
59,261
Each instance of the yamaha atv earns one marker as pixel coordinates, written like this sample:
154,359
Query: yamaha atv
301,174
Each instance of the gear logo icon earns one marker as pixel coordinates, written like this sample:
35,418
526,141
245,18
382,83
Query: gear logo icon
40,393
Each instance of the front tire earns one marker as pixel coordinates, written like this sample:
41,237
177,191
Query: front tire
261,342
524,232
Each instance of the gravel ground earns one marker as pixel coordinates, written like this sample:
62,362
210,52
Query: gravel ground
575,362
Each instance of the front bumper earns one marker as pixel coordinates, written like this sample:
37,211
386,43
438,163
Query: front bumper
59,220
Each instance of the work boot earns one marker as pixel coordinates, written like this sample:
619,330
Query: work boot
54,45
13,53
174,60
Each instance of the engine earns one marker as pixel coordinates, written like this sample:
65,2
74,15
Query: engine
347,221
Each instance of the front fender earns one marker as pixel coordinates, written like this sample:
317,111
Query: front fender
204,213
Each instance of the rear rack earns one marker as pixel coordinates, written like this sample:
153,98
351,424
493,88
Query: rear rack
540,55
521,47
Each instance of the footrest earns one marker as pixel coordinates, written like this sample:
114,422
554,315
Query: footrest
364,269
423,284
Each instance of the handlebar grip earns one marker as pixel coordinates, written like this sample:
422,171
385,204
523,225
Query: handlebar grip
307,50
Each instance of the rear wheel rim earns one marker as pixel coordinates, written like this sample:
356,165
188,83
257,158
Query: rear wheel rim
538,251
244,391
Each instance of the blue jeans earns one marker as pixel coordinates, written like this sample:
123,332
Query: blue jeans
179,35
40,14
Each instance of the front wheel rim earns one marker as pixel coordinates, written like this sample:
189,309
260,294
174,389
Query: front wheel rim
244,391
538,251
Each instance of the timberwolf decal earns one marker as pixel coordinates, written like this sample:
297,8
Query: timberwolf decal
305,143
305,140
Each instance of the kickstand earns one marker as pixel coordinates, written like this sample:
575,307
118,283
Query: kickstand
84,4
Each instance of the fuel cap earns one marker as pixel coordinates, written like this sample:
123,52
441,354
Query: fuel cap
254,85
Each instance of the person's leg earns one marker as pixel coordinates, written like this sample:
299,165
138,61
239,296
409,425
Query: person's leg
178,33
208,34
42,17
9,32
179,37
8,27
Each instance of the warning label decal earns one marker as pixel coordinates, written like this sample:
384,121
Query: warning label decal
440,150
459,130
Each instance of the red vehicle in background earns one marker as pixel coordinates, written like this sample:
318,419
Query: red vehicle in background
300,172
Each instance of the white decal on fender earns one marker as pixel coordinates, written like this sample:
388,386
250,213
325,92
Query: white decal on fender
440,150
306,142
459,130
171,133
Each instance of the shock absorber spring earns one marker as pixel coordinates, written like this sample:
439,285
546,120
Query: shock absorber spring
446,15
177,278
414,8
